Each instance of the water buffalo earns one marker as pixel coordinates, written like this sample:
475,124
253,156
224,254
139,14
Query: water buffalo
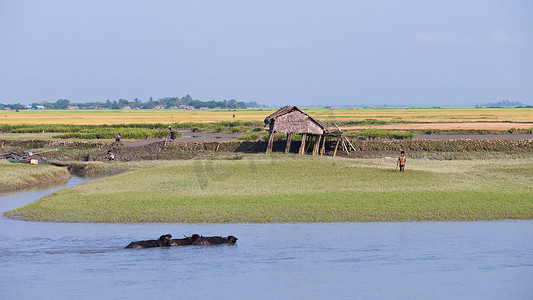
188,240
162,241
215,240
197,239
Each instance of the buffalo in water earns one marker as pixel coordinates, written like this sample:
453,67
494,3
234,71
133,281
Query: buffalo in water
195,239
162,241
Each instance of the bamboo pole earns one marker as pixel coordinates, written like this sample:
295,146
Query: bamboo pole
344,147
336,146
289,140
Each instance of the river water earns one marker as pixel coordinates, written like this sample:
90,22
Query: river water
426,260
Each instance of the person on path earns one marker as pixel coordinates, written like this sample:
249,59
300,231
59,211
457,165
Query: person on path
172,134
401,161
118,138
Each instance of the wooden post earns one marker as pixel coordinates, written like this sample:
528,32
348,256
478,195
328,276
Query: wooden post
336,146
270,142
302,146
323,145
289,140
316,148
308,145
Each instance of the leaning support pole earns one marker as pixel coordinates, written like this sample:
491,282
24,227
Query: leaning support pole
336,146
270,142
289,140
302,146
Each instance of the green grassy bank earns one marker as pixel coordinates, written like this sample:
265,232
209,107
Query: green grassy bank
20,176
289,189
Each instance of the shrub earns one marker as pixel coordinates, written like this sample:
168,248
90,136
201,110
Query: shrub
277,136
249,137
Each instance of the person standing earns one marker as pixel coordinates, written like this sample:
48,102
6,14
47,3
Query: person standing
401,161
118,138
172,134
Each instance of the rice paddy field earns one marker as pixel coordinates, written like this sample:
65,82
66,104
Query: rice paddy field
519,116
287,188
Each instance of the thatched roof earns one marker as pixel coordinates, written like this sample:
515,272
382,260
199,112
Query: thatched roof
291,119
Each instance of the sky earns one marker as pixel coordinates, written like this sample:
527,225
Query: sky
304,53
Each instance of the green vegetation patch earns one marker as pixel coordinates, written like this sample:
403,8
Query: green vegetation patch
296,190
136,131
381,134
17,176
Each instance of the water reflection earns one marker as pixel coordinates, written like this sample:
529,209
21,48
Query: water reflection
430,260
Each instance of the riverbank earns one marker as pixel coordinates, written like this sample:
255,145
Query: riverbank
14,177
287,188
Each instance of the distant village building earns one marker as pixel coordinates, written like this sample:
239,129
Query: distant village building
72,107
7,108
204,108
126,107
159,107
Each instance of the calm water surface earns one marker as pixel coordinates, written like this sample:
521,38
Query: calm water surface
429,260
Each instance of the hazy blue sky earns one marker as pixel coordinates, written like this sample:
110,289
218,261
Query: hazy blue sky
273,52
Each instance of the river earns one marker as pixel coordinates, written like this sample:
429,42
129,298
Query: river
424,260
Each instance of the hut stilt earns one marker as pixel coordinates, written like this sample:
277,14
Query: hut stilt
302,146
270,142
316,148
323,145
289,140
310,139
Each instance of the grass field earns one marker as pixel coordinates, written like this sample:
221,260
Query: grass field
19,176
390,115
288,189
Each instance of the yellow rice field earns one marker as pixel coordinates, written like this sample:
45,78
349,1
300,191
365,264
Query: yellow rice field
471,118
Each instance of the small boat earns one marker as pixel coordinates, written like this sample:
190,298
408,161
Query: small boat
19,160
55,162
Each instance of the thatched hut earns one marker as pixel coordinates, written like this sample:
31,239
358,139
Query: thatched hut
292,120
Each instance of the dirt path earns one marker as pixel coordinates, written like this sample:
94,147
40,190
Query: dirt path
473,137
448,126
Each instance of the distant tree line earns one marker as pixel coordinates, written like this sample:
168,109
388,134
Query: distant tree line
503,103
167,102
